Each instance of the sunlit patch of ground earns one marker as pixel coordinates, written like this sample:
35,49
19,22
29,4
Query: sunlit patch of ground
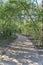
21,52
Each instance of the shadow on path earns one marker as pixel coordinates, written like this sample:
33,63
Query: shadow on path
21,52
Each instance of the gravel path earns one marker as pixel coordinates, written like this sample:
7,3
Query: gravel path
21,52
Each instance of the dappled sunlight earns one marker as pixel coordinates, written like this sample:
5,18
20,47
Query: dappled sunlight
21,58
7,59
21,53
21,32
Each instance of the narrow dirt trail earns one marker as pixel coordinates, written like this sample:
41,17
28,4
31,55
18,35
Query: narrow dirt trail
22,42
21,52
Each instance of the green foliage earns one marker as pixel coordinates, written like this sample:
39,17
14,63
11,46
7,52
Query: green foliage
12,16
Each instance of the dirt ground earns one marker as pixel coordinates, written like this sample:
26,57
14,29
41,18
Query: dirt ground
21,52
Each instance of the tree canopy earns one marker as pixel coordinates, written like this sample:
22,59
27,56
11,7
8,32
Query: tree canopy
20,16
